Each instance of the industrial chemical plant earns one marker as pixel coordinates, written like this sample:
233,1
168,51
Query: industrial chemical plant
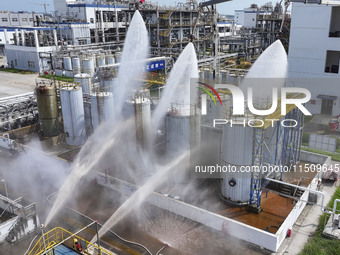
167,130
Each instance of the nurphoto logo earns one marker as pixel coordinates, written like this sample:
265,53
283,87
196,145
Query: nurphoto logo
239,103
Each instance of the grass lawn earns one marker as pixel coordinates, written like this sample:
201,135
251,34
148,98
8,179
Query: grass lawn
319,245
13,70
335,156
57,77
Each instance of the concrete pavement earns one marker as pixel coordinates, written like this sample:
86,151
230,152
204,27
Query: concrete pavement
306,225
15,84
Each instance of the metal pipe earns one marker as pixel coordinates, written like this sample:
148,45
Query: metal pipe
302,188
334,207
98,239
4,181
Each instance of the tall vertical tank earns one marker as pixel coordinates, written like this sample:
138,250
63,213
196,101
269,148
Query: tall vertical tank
76,65
118,57
84,80
107,85
237,149
88,117
48,109
182,128
73,115
102,108
224,76
100,61
110,60
139,109
67,63
88,66
216,111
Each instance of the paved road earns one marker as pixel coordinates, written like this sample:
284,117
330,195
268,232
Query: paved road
15,84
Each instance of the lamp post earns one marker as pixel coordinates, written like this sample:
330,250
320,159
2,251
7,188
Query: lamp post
6,191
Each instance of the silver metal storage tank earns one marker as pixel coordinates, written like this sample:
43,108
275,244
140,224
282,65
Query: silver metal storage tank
102,108
73,114
59,72
76,65
84,80
88,118
139,109
69,73
182,128
107,85
100,61
88,66
118,57
237,151
110,60
67,63
217,111
224,76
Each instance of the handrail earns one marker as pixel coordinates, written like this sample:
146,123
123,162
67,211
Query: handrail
58,236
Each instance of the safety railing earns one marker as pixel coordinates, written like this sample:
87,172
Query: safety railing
49,241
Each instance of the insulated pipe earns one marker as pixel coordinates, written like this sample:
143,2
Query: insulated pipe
302,188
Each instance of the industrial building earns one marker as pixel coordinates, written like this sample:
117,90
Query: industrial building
170,29
317,66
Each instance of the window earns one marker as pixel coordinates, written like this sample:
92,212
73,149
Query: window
91,20
4,20
31,19
14,20
24,19
15,62
334,28
332,61
31,64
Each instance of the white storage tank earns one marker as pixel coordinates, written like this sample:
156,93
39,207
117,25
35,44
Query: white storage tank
84,80
208,75
217,111
107,84
69,73
73,114
59,72
102,108
76,65
67,63
182,128
139,109
224,76
118,57
236,151
110,60
88,66
100,61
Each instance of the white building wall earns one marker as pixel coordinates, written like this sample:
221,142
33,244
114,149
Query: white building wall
239,17
27,58
309,43
18,19
250,18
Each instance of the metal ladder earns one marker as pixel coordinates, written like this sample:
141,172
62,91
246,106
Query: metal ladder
255,183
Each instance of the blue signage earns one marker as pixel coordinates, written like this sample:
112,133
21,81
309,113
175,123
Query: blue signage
156,65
